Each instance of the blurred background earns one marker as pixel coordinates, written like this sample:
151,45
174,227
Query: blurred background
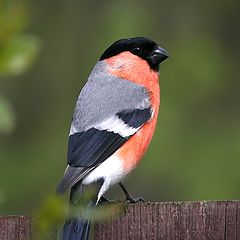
48,48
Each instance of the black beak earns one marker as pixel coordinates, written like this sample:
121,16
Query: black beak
158,55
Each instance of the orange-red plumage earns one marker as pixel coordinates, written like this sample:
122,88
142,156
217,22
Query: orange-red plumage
135,69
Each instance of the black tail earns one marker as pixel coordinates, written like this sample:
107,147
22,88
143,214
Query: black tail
75,228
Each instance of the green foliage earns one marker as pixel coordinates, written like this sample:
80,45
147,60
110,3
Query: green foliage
17,49
55,209
50,216
17,55
17,52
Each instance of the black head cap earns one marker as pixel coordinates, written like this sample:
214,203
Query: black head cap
140,46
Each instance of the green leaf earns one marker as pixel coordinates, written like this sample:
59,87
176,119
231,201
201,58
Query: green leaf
56,208
52,213
103,212
7,117
17,55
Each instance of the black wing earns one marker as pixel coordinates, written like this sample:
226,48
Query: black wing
87,149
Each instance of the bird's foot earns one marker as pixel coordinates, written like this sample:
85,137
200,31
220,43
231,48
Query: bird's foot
131,199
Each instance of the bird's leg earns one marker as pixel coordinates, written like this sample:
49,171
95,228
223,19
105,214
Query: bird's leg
129,197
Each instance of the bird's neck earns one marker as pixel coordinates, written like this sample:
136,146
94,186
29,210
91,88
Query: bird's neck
133,68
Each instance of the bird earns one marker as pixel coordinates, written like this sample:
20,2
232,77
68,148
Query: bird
113,123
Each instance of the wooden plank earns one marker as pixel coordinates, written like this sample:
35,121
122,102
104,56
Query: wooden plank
231,220
15,227
200,220
238,220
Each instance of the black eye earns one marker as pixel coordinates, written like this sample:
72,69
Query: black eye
137,51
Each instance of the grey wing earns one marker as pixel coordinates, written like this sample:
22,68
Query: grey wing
105,95
109,110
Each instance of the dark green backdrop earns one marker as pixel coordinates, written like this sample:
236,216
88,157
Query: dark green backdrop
47,49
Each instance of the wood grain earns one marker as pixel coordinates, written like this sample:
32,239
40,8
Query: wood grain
200,220
15,227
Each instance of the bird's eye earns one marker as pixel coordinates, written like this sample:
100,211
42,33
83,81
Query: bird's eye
137,50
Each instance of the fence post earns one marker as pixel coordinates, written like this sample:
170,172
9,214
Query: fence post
15,227
200,220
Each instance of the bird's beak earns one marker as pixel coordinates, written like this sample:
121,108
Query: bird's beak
158,55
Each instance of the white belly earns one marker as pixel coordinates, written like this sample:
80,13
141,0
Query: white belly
111,170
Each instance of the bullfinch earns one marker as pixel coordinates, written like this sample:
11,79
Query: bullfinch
113,123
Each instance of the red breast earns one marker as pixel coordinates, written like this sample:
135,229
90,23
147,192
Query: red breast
135,69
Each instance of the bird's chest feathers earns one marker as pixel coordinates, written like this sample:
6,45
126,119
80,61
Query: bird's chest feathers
137,70
133,150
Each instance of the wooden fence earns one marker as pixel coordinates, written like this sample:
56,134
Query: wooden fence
201,220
